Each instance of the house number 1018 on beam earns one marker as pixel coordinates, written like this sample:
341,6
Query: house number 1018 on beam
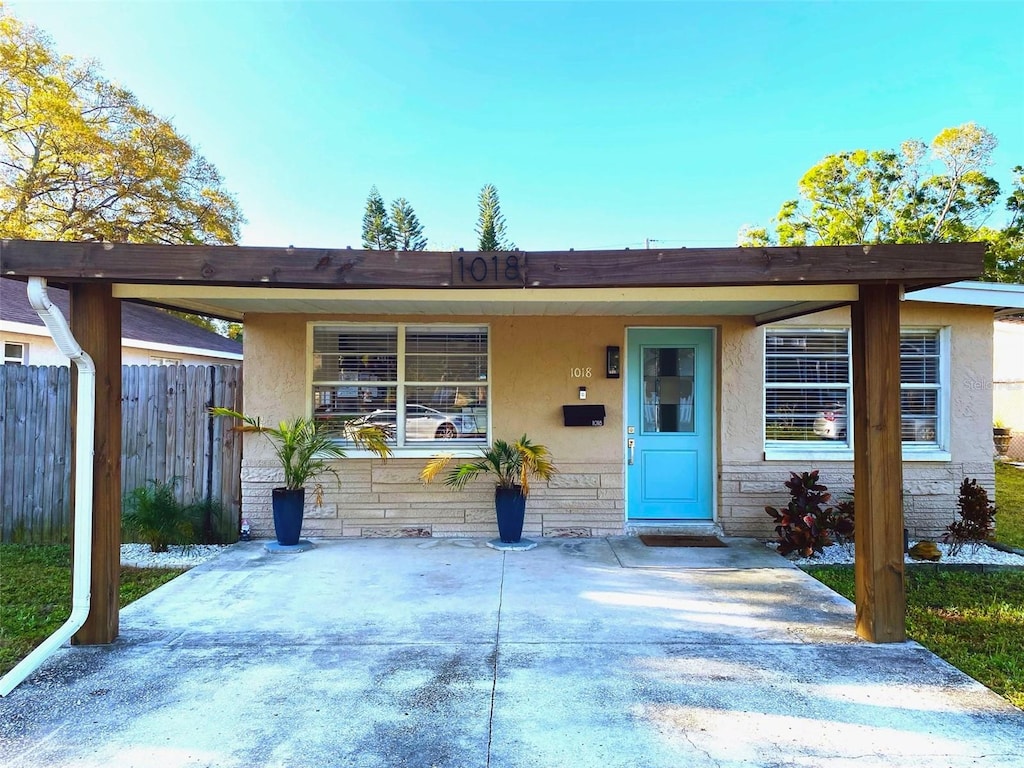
581,373
498,268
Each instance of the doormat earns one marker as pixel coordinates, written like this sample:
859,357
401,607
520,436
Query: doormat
652,540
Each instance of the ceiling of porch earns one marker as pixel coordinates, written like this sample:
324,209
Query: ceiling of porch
763,303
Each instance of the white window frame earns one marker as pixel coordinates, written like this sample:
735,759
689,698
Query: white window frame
459,450
11,359
158,360
826,450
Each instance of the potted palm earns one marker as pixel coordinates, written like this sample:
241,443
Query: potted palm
304,446
512,464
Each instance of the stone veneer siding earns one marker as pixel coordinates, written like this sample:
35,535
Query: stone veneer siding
930,493
378,499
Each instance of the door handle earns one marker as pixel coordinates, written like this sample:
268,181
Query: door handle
631,444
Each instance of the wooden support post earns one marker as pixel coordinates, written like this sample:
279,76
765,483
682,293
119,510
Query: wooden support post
878,465
96,323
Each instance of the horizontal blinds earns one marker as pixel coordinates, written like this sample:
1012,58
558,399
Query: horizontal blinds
353,354
919,357
446,354
807,357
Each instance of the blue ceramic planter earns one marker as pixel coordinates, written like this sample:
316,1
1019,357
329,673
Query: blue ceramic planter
510,506
288,506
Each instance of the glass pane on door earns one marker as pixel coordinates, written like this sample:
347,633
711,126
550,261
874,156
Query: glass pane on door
668,386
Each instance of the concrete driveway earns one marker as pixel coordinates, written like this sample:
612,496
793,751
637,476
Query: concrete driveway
443,652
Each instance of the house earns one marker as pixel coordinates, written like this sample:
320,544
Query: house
148,335
676,388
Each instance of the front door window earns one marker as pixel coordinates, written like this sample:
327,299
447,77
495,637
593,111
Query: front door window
668,384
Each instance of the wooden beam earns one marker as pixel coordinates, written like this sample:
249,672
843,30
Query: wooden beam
878,465
909,265
96,323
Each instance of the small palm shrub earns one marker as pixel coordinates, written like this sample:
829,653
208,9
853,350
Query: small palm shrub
153,515
807,524
977,518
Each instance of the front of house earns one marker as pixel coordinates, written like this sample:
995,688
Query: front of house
704,376
690,419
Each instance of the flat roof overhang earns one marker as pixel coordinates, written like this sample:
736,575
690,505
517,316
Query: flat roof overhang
234,303
765,284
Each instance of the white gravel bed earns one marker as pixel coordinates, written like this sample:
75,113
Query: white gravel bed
139,556
838,554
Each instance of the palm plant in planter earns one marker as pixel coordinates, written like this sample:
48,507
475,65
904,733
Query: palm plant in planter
512,464
304,446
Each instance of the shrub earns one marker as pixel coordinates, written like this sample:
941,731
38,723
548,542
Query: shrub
977,518
808,524
153,515
841,521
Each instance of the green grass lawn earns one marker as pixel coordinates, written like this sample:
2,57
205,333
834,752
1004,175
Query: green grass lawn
975,621
35,595
1010,505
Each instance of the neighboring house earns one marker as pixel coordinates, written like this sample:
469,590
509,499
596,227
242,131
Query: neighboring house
1008,379
149,335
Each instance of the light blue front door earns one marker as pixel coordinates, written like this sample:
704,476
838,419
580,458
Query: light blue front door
669,424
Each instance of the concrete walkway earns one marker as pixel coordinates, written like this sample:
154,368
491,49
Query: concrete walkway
444,653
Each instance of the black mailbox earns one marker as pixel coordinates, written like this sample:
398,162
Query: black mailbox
583,415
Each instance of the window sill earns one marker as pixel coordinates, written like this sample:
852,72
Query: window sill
824,454
460,452
809,454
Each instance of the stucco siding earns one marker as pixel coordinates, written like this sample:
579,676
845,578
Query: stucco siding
532,364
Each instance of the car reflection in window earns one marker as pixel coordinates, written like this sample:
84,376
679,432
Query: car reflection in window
424,423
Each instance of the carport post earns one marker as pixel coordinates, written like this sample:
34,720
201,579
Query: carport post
96,323
878,465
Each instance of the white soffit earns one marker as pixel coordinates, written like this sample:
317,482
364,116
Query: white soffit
997,295
235,302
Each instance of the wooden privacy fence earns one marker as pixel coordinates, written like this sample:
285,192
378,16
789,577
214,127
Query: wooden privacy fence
166,434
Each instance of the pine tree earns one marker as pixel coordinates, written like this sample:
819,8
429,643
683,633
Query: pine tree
406,226
491,224
378,233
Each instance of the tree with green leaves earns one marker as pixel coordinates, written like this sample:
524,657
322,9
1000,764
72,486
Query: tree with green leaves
378,233
82,159
406,226
1004,261
491,224
920,193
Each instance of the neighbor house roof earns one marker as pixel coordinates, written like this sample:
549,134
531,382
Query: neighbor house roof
1004,298
139,323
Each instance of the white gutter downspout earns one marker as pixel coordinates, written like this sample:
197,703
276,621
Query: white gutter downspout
85,430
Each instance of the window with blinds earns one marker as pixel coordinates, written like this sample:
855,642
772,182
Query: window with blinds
808,387
921,386
422,384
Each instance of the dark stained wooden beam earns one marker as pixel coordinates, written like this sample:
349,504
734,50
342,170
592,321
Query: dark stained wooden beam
909,265
96,323
878,465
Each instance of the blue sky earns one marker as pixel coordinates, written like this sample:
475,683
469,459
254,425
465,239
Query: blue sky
601,124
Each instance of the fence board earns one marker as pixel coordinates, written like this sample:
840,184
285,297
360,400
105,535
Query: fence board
166,433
